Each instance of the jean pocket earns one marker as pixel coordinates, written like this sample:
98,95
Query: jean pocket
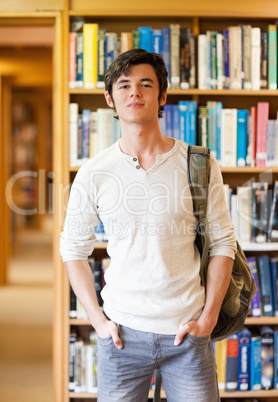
197,340
105,341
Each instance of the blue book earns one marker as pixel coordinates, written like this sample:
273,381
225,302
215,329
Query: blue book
267,357
225,33
244,345
265,285
255,363
275,375
274,284
183,118
79,60
242,136
256,310
191,138
145,38
168,117
219,107
212,124
85,132
232,363
157,41
166,49
176,122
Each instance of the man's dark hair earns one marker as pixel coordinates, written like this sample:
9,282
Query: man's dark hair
134,57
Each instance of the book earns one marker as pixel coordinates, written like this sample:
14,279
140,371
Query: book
247,56
267,357
264,61
244,345
221,363
242,137
235,54
101,58
126,41
272,57
73,133
184,57
244,210
275,374
260,204
255,57
273,220
166,50
262,118
72,340
111,49
72,59
202,61
265,285
232,364
90,52
79,60
203,126
157,41
175,55
145,38
256,309
256,363
228,137
274,284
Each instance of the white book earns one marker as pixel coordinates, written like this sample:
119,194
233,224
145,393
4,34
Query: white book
255,58
228,137
234,214
73,133
235,54
219,58
79,367
104,123
244,211
93,134
247,56
202,61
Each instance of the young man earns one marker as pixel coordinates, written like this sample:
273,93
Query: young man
156,314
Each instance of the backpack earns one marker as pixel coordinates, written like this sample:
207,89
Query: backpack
242,288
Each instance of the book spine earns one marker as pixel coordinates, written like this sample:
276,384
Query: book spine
101,58
272,61
267,357
79,60
175,55
256,302
256,364
244,361
265,285
166,50
72,59
202,61
90,32
232,364
145,38
242,136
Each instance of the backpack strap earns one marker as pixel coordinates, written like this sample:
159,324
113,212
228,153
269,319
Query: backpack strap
198,170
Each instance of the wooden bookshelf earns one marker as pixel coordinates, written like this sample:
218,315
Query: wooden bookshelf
118,17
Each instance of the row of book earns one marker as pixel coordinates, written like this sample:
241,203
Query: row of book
254,210
98,268
90,132
239,57
93,50
237,137
264,270
248,361
83,363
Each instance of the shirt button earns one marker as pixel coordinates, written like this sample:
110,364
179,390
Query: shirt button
135,159
137,166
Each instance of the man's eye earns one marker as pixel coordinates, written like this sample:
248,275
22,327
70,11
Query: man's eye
123,87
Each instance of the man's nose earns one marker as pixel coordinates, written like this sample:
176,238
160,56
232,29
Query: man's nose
136,92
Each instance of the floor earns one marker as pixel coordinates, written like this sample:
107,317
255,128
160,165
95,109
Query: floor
26,308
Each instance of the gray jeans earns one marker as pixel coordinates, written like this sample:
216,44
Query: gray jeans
188,370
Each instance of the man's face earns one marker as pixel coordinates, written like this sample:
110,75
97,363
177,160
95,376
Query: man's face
136,95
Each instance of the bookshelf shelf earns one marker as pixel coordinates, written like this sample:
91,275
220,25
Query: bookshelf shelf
261,321
250,394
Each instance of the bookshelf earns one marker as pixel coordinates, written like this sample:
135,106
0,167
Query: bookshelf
199,17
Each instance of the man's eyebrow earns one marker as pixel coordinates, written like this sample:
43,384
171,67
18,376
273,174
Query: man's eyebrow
124,80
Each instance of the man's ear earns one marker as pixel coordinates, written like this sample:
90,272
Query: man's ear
108,99
163,99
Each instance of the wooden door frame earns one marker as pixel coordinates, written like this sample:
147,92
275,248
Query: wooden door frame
55,19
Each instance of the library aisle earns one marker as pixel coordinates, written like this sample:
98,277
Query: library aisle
26,307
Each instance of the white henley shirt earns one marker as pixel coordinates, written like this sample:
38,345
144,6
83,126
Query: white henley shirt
152,283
